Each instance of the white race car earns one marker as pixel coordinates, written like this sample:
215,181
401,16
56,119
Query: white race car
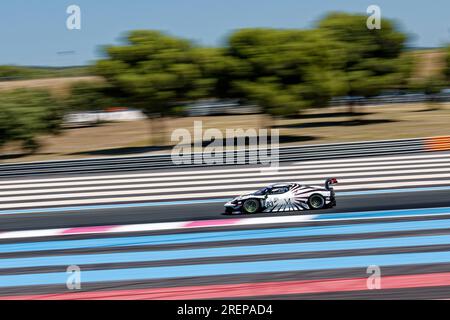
284,197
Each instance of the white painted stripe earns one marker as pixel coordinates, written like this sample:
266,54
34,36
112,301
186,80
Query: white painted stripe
392,185
373,162
190,224
375,158
148,227
204,195
129,192
152,190
121,199
228,174
158,187
269,220
157,226
30,233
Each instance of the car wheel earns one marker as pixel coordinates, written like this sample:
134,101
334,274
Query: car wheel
251,206
316,202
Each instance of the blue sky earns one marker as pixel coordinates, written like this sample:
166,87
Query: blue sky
33,32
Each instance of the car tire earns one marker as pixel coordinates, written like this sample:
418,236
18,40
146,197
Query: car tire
251,206
316,202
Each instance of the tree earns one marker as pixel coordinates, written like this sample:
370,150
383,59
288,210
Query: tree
431,87
25,114
372,59
218,70
152,71
284,71
447,64
88,96
433,84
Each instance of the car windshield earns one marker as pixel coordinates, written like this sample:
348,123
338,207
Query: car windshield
261,191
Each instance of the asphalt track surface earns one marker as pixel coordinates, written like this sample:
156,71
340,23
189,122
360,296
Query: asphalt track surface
170,213
326,256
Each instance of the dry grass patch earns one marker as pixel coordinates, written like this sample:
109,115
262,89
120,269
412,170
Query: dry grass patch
326,125
58,86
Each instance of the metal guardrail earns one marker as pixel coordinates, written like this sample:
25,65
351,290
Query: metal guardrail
286,154
443,96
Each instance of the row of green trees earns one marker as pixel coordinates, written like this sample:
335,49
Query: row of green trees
447,64
282,71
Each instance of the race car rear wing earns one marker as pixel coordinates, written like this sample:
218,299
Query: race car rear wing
330,182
